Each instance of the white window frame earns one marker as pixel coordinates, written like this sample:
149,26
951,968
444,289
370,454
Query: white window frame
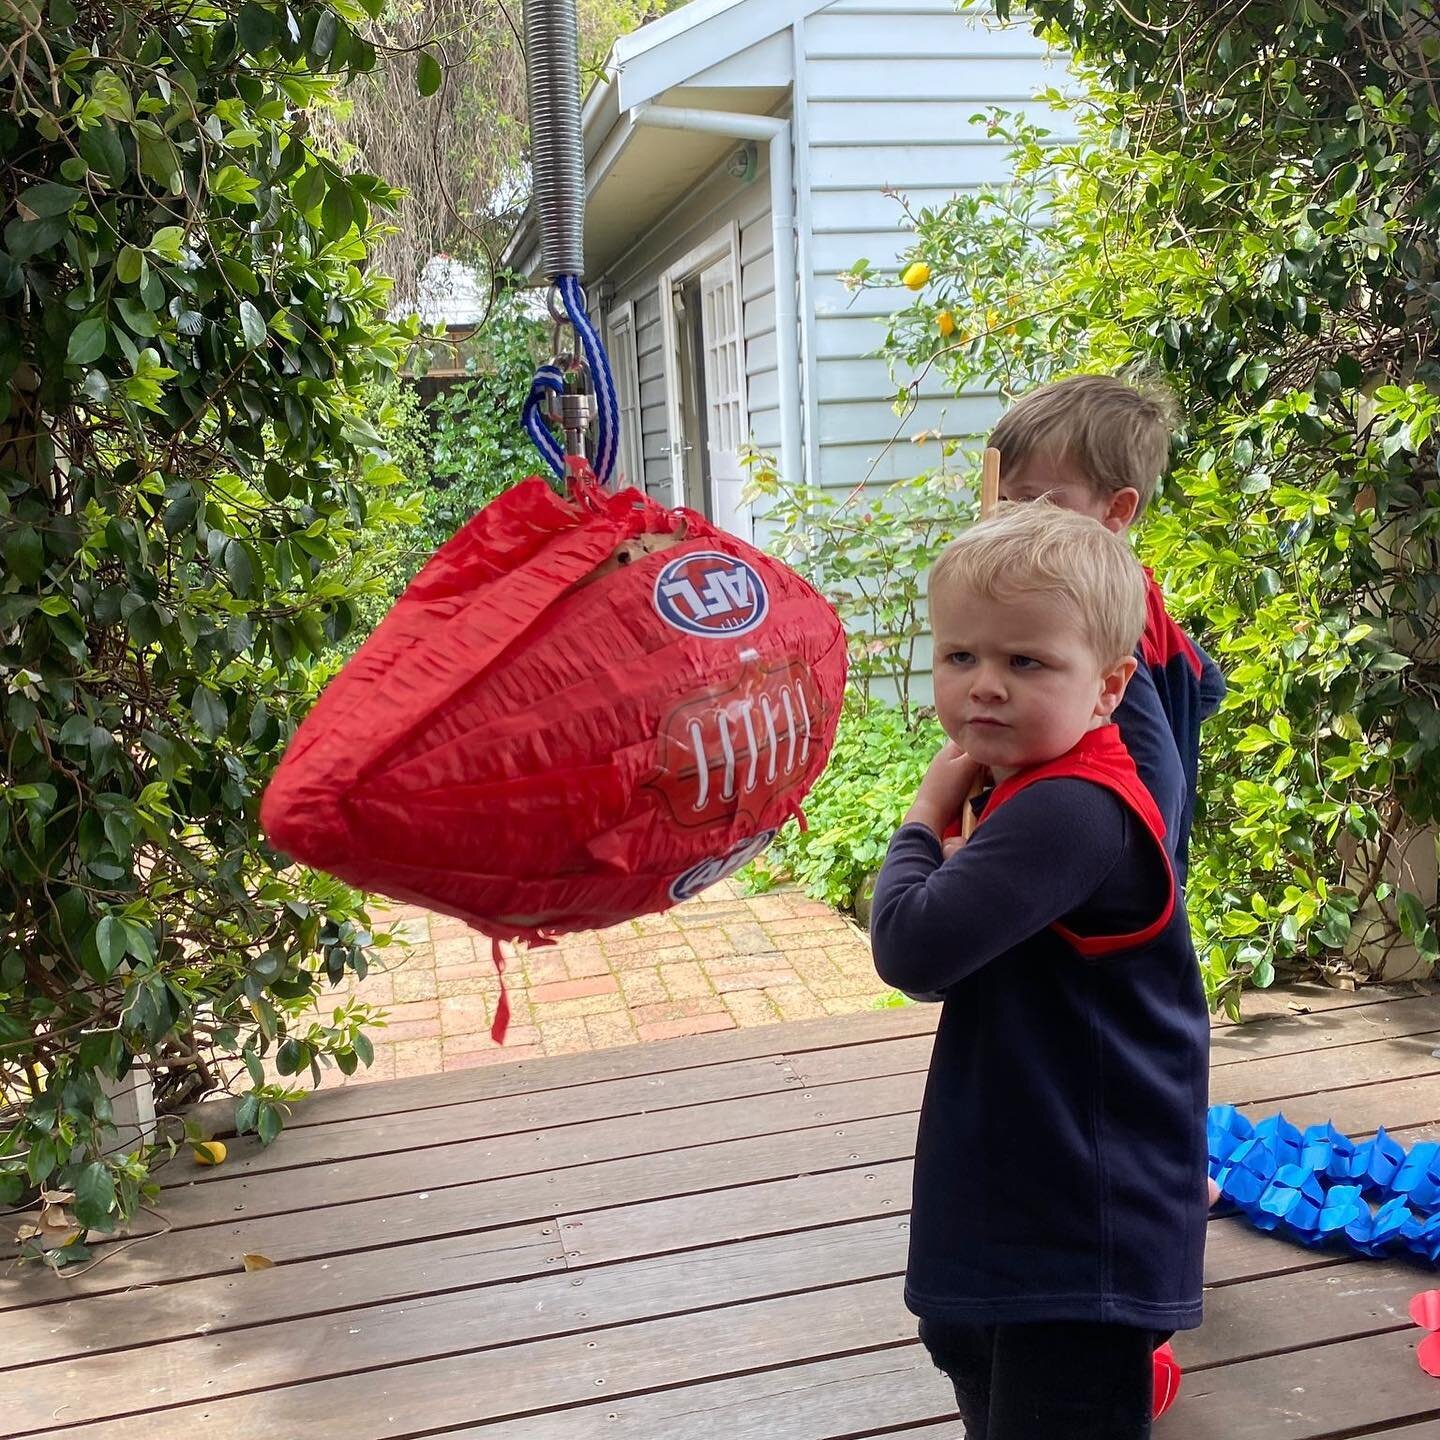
621,342
725,241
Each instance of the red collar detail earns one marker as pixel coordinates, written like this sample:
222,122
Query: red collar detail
1100,757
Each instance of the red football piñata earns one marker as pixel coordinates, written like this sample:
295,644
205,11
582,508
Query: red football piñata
580,711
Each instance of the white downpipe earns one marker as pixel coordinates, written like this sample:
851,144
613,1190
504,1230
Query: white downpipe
782,225
804,241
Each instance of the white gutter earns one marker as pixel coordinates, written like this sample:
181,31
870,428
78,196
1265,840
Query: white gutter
782,224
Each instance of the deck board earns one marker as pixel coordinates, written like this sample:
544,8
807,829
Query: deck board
702,1238
1280,1313
504,1115
541,1153
875,1392
670,1058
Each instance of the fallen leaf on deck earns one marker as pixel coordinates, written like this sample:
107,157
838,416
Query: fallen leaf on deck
257,1262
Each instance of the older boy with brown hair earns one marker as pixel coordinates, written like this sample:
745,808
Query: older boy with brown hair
1099,445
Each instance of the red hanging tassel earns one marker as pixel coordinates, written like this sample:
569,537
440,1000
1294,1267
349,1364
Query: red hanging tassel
582,710
502,1008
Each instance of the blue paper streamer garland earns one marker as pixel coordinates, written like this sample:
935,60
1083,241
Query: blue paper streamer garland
1320,1187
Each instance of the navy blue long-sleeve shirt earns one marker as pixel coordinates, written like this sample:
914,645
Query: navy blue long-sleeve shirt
1060,1162
1149,736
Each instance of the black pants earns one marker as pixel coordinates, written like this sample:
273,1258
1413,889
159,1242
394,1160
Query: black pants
1050,1381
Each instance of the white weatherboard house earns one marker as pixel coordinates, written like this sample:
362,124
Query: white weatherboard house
738,155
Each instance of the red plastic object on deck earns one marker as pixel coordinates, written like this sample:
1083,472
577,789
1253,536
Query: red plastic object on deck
1425,1311
582,710
1167,1380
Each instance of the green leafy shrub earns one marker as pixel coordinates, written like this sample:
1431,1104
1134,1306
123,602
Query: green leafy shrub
404,438
478,449
855,807
456,454
188,479
868,552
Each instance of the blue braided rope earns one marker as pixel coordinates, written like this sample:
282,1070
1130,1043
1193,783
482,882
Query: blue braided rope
548,378
607,405
1320,1187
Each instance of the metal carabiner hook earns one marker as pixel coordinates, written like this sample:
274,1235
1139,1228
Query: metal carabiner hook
574,408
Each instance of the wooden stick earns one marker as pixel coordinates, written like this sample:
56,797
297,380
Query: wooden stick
989,483
989,499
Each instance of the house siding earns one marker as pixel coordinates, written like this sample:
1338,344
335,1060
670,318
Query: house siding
886,101
889,92
716,203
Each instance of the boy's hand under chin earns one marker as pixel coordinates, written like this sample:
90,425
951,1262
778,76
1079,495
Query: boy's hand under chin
941,797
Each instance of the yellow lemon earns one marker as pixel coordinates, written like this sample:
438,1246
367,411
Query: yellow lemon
210,1152
945,323
916,274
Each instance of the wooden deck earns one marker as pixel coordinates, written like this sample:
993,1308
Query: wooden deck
692,1238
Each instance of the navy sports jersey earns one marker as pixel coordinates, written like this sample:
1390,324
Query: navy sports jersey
1146,730
1190,687
1060,1162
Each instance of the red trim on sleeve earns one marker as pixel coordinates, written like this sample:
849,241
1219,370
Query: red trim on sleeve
1163,639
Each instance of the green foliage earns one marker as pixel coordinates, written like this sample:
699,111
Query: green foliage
855,807
456,454
187,479
868,553
1249,208
399,419
478,448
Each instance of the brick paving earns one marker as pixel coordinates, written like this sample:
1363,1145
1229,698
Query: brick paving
718,962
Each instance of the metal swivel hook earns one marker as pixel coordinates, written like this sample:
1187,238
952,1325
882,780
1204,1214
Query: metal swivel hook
573,409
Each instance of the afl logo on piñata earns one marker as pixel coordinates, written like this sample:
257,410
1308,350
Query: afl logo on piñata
711,872
711,594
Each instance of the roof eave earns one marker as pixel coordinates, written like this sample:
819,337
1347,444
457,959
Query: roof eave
645,64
